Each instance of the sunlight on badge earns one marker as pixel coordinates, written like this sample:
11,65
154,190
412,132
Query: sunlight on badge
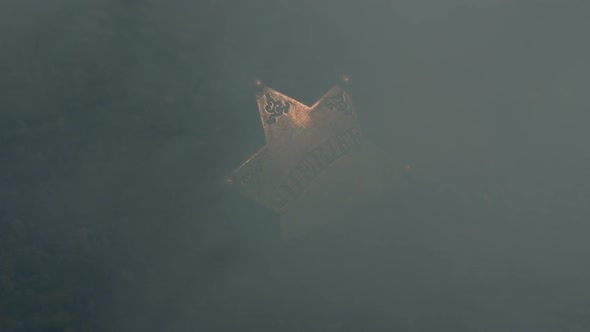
316,161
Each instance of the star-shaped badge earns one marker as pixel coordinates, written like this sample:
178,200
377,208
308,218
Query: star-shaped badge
302,143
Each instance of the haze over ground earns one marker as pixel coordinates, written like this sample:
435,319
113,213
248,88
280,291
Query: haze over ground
118,120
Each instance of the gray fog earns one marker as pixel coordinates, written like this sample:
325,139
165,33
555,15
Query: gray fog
120,119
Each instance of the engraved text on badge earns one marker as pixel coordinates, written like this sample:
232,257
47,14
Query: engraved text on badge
313,163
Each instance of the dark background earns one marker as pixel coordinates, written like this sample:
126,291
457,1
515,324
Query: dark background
119,119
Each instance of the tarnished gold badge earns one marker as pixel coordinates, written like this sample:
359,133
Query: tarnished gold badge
303,144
